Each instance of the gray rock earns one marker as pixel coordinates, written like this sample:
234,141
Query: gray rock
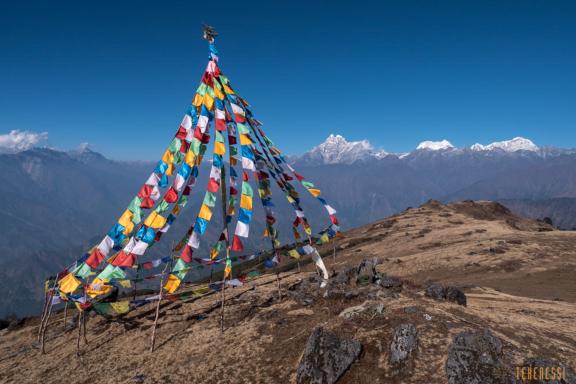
435,292
403,347
326,357
563,374
455,295
366,271
412,309
345,276
301,298
389,282
475,357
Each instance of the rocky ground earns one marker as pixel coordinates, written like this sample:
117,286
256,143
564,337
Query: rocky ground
459,293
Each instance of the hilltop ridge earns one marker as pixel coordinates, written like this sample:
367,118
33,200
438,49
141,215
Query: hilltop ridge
516,276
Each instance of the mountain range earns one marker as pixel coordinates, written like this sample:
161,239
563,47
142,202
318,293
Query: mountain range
57,204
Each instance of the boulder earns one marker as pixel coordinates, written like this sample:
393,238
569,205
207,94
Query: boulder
476,357
326,357
403,348
367,308
301,298
455,295
435,292
366,271
389,282
450,293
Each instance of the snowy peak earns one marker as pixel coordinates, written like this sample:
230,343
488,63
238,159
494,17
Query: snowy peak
336,149
435,145
516,144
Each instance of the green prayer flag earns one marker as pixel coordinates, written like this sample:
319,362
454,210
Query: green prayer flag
162,207
307,184
179,266
219,137
175,145
83,270
202,88
247,189
112,272
210,199
195,146
182,200
178,158
242,128
134,204
137,216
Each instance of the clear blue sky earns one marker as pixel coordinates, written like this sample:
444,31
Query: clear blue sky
394,72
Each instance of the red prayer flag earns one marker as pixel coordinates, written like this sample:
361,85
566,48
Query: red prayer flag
220,124
145,191
213,185
181,134
147,202
123,260
186,254
171,196
237,244
95,258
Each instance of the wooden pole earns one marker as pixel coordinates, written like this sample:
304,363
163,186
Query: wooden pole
79,333
223,297
44,312
153,341
334,253
223,195
46,323
65,315
134,286
84,327
278,283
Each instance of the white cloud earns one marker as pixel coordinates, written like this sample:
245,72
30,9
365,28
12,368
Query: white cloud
17,141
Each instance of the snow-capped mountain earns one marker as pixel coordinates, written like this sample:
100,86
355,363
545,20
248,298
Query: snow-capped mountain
337,150
516,144
435,145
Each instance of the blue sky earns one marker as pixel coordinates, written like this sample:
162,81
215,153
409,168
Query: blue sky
395,72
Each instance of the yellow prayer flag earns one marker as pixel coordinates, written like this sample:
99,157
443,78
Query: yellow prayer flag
125,283
120,306
213,253
208,101
294,253
126,218
228,90
227,271
170,169
172,284
69,283
176,210
233,161
219,148
315,192
154,220
218,93
205,212
197,101
128,229
98,288
168,157
190,157
246,202
245,139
